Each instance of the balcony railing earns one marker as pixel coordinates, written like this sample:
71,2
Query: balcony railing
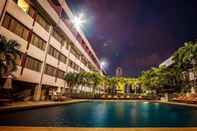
57,7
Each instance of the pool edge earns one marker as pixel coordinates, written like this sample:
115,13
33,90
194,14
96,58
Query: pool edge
16,128
34,106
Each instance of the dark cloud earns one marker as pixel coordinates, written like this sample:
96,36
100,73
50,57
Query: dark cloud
137,34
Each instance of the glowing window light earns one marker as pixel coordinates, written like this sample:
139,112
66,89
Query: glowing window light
23,5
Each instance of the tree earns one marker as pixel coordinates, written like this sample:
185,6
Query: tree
71,80
184,56
113,85
160,79
90,79
8,55
95,80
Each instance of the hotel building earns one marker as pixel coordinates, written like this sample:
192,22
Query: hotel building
50,45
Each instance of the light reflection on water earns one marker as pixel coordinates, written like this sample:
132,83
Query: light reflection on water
105,114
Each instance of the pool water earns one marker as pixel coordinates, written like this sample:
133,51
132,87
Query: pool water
105,114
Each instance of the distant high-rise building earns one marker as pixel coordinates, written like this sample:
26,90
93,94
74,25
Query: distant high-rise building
119,72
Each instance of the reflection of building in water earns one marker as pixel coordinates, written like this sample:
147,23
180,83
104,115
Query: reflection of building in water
119,72
120,110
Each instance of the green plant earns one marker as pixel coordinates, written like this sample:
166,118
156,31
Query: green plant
8,55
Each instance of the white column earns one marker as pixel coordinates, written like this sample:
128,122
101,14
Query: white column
38,88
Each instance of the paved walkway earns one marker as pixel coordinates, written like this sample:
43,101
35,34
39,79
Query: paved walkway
34,104
92,129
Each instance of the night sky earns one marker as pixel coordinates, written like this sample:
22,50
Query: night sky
137,34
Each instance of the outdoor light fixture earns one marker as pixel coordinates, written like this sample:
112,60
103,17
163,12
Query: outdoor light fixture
104,63
78,21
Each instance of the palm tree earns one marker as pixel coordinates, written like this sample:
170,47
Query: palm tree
94,79
84,80
113,81
70,79
106,84
184,56
8,55
80,81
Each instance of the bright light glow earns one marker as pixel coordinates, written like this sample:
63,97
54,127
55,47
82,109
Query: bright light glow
104,63
78,21
23,5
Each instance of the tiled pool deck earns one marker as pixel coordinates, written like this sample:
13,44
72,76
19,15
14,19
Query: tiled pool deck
92,129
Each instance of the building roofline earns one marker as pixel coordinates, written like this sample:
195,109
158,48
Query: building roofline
71,15
168,62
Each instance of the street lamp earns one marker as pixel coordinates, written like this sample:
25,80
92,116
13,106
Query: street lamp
104,63
78,21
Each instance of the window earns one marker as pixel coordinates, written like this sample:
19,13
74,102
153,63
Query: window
83,60
58,37
14,26
74,52
19,30
33,64
73,65
38,42
70,63
63,58
23,5
54,52
55,5
7,21
60,74
42,22
67,43
50,70
18,58
25,33
31,12
26,7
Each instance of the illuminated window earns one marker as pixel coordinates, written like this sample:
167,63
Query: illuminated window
14,26
33,64
23,5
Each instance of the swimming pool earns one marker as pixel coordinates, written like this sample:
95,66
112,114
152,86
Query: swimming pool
105,114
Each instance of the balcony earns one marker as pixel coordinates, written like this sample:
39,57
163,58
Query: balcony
60,12
56,6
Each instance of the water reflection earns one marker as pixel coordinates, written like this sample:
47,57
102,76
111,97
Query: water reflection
105,114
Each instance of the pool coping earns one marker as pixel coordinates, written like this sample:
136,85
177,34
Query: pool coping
16,128
48,104
156,101
26,128
33,105
180,104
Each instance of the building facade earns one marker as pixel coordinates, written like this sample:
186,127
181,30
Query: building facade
50,45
